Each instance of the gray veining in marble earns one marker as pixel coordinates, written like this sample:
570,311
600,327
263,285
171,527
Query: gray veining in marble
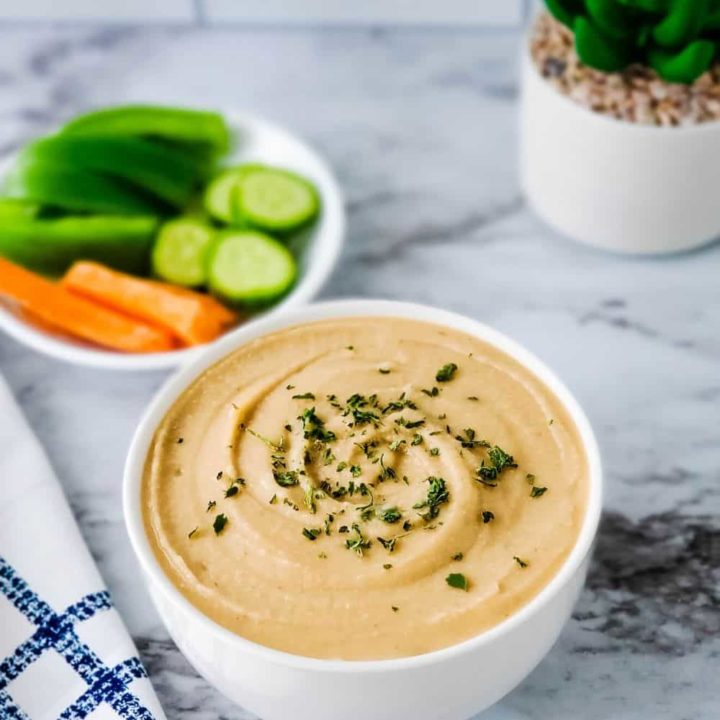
420,127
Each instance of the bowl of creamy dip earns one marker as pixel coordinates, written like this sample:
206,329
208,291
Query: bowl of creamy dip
364,508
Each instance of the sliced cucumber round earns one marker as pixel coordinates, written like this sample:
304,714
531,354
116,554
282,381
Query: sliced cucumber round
277,200
180,252
221,195
250,268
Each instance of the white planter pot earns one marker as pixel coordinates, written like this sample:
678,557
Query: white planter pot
614,184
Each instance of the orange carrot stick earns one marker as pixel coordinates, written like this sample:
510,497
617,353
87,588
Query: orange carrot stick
194,317
57,307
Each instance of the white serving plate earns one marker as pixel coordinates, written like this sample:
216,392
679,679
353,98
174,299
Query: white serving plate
256,140
453,683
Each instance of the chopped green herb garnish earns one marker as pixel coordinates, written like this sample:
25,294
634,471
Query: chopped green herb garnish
395,608
432,392
457,556
310,499
410,424
358,542
473,398
341,466
232,491
311,533
192,532
180,441
435,452
220,522
386,473
446,372
396,444
210,506
457,580
288,478
522,563
400,404
417,439
322,556
273,500
436,496
387,566
304,396
390,515
530,478
314,427
537,491
276,446
499,460
289,387
469,440
361,409
487,516
355,470
328,522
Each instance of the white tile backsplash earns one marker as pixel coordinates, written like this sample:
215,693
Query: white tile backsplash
440,12
182,11
473,13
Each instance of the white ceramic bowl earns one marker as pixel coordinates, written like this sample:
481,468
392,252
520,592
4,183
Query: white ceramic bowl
449,684
256,140
613,184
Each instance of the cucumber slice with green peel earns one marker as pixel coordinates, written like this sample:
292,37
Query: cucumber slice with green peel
277,200
180,252
51,246
166,173
250,268
197,127
221,195
73,189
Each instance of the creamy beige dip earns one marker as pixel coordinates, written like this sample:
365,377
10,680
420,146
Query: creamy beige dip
271,561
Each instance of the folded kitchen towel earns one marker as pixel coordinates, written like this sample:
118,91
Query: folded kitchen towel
64,651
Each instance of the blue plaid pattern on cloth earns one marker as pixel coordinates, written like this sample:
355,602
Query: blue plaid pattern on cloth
56,631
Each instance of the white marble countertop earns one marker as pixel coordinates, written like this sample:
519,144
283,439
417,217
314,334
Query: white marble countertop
420,126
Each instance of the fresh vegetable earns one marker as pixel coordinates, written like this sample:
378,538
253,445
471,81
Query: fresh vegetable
276,200
222,194
195,318
56,306
198,128
68,187
13,208
166,173
250,268
88,202
51,246
180,252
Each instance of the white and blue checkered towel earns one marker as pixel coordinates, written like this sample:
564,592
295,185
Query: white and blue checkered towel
64,651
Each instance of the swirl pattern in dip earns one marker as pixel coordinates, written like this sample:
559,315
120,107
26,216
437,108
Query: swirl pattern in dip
364,488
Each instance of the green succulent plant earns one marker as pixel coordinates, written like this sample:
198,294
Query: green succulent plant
677,38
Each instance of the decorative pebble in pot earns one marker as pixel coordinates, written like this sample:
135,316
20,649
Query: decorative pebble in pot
620,122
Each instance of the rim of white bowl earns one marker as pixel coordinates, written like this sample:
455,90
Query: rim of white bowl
668,130
324,250
171,390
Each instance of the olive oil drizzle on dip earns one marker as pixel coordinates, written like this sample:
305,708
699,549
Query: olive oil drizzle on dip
318,481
